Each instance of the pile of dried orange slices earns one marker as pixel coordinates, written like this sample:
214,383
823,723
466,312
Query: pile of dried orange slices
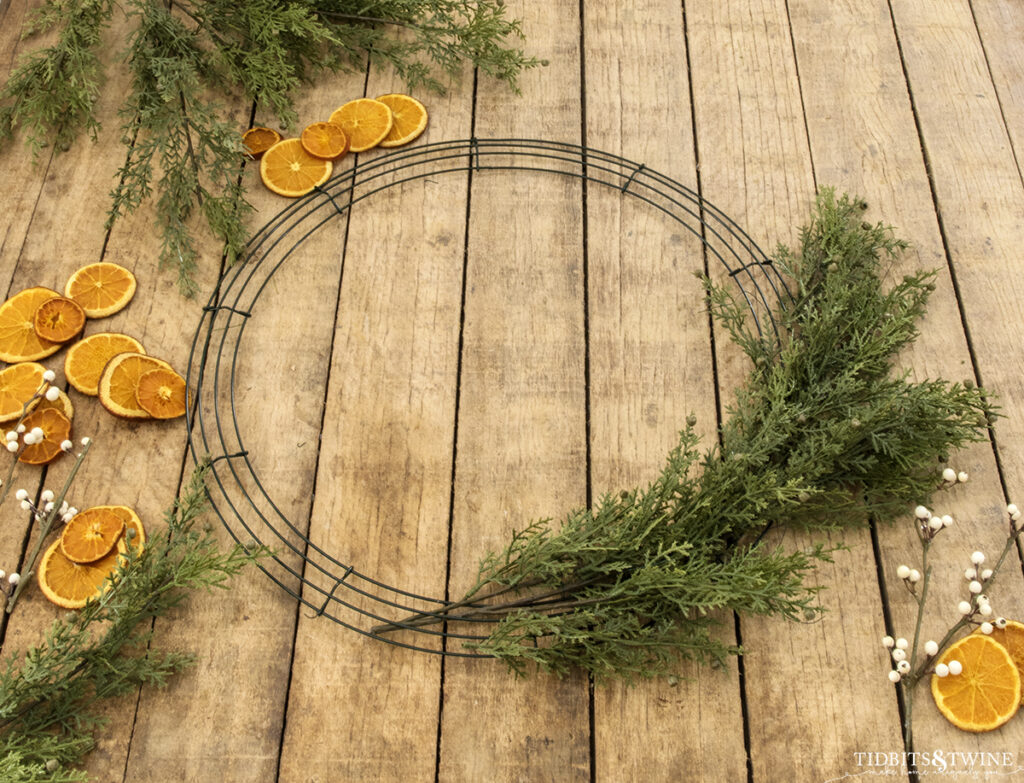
294,167
75,567
37,322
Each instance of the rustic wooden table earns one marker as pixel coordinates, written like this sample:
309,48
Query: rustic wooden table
457,358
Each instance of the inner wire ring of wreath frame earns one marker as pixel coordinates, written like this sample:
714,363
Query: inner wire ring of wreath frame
316,578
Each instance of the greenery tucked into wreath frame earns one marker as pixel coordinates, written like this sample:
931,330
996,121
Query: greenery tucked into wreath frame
786,454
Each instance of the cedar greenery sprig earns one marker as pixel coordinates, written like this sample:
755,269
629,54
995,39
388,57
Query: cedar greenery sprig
49,696
824,434
185,60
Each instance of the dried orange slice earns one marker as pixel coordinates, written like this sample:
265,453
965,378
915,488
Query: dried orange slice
85,360
119,380
134,532
288,170
59,319
18,339
1012,638
62,403
410,119
161,394
56,429
324,140
69,584
91,534
986,693
366,122
258,140
18,384
101,289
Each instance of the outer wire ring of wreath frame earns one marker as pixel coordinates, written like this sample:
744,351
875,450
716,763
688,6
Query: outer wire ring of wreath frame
331,588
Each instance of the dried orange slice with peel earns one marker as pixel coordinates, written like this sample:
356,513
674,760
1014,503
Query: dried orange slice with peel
366,122
258,140
101,289
91,534
137,535
161,394
986,693
288,170
56,429
59,319
410,119
324,140
18,339
69,584
18,384
62,403
119,380
1012,638
85,360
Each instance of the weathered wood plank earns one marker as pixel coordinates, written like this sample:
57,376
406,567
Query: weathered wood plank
521,432
650,366
863,138
384,482
1001,29
755,165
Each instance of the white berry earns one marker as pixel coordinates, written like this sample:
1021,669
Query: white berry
902,644
894,676
931,647
955,667
915,576
903,572
921,512
986,628
899,655
941,670
964,607
974,587
978,558
888,642
1000,622
949,475
903,667
962,476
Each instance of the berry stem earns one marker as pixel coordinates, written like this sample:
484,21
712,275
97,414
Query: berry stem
45,526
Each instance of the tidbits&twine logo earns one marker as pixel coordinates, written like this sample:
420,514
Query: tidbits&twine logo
936,762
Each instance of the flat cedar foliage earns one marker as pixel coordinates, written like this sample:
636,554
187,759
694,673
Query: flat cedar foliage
50,695
825,434
185,61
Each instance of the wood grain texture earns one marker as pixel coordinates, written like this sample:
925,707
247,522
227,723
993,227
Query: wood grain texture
521,451
384,480
863,136
650,367
755,165
1001,29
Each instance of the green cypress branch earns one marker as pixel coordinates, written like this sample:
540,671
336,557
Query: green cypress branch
825,433
49,695
187,59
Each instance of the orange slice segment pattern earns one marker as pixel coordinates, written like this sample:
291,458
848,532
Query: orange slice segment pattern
161,394
18,384
91,534
410,119
59,319
324,140
18,339
288,170
986,693
120,379
1012,638
101,289
85,360
56,429
366,122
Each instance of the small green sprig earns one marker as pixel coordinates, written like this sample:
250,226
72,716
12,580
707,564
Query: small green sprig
49,696
824,434
189,59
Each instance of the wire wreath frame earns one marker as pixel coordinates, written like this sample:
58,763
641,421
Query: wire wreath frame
317,578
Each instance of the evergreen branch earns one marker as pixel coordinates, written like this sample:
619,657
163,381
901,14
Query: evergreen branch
48,696
825,433
189,58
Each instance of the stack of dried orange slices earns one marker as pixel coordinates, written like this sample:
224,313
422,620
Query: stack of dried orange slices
75,567
297,166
